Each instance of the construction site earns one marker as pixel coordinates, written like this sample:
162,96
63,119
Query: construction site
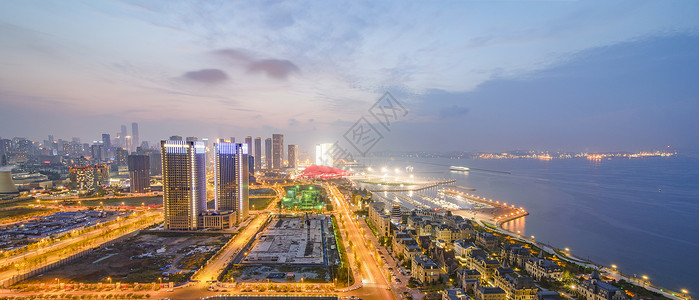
290,248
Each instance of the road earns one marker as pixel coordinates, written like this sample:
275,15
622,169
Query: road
213,269
374,284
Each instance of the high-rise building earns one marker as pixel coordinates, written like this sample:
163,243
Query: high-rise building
324,155
277,151
97,153
156,166
135,141
184,183
191,139
106,140
233,139
121,156
139,173
107,146
248,140
231,171
176,138
122,136
293,155
258,153
268,153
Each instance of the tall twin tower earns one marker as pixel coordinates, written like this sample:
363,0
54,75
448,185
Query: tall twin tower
184,182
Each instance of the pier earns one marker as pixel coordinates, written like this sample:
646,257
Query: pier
514,213
412,188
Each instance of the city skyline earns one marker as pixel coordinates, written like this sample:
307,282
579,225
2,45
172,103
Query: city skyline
365,150
311,71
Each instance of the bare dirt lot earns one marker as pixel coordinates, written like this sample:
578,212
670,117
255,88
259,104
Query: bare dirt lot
143,258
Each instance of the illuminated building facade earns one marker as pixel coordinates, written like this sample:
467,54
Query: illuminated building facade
184,183
88,177
277,151
231,178
139,173
323,155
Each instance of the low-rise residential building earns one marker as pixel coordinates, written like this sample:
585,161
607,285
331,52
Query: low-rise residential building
486,240
490,293
479,260
424,269
516,287
515,255
541,268
596,289
454,294
463,247
379,218
405,245
469,279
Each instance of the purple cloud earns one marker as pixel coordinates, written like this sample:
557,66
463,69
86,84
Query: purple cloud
206,76
275,68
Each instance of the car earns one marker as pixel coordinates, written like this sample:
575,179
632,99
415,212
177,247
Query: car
390,269
398,280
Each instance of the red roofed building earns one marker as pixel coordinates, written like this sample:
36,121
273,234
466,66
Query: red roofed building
323,172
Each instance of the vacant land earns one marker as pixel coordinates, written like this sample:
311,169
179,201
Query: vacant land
260,203
143,258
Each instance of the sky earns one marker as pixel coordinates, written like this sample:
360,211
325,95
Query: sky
469,75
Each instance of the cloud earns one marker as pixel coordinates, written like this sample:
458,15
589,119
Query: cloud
275,68
206,76
454,111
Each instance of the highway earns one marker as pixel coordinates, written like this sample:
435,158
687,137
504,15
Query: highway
374,284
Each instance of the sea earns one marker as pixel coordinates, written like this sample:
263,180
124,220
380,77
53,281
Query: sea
640,214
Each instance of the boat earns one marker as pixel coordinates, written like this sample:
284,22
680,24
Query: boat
457,168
